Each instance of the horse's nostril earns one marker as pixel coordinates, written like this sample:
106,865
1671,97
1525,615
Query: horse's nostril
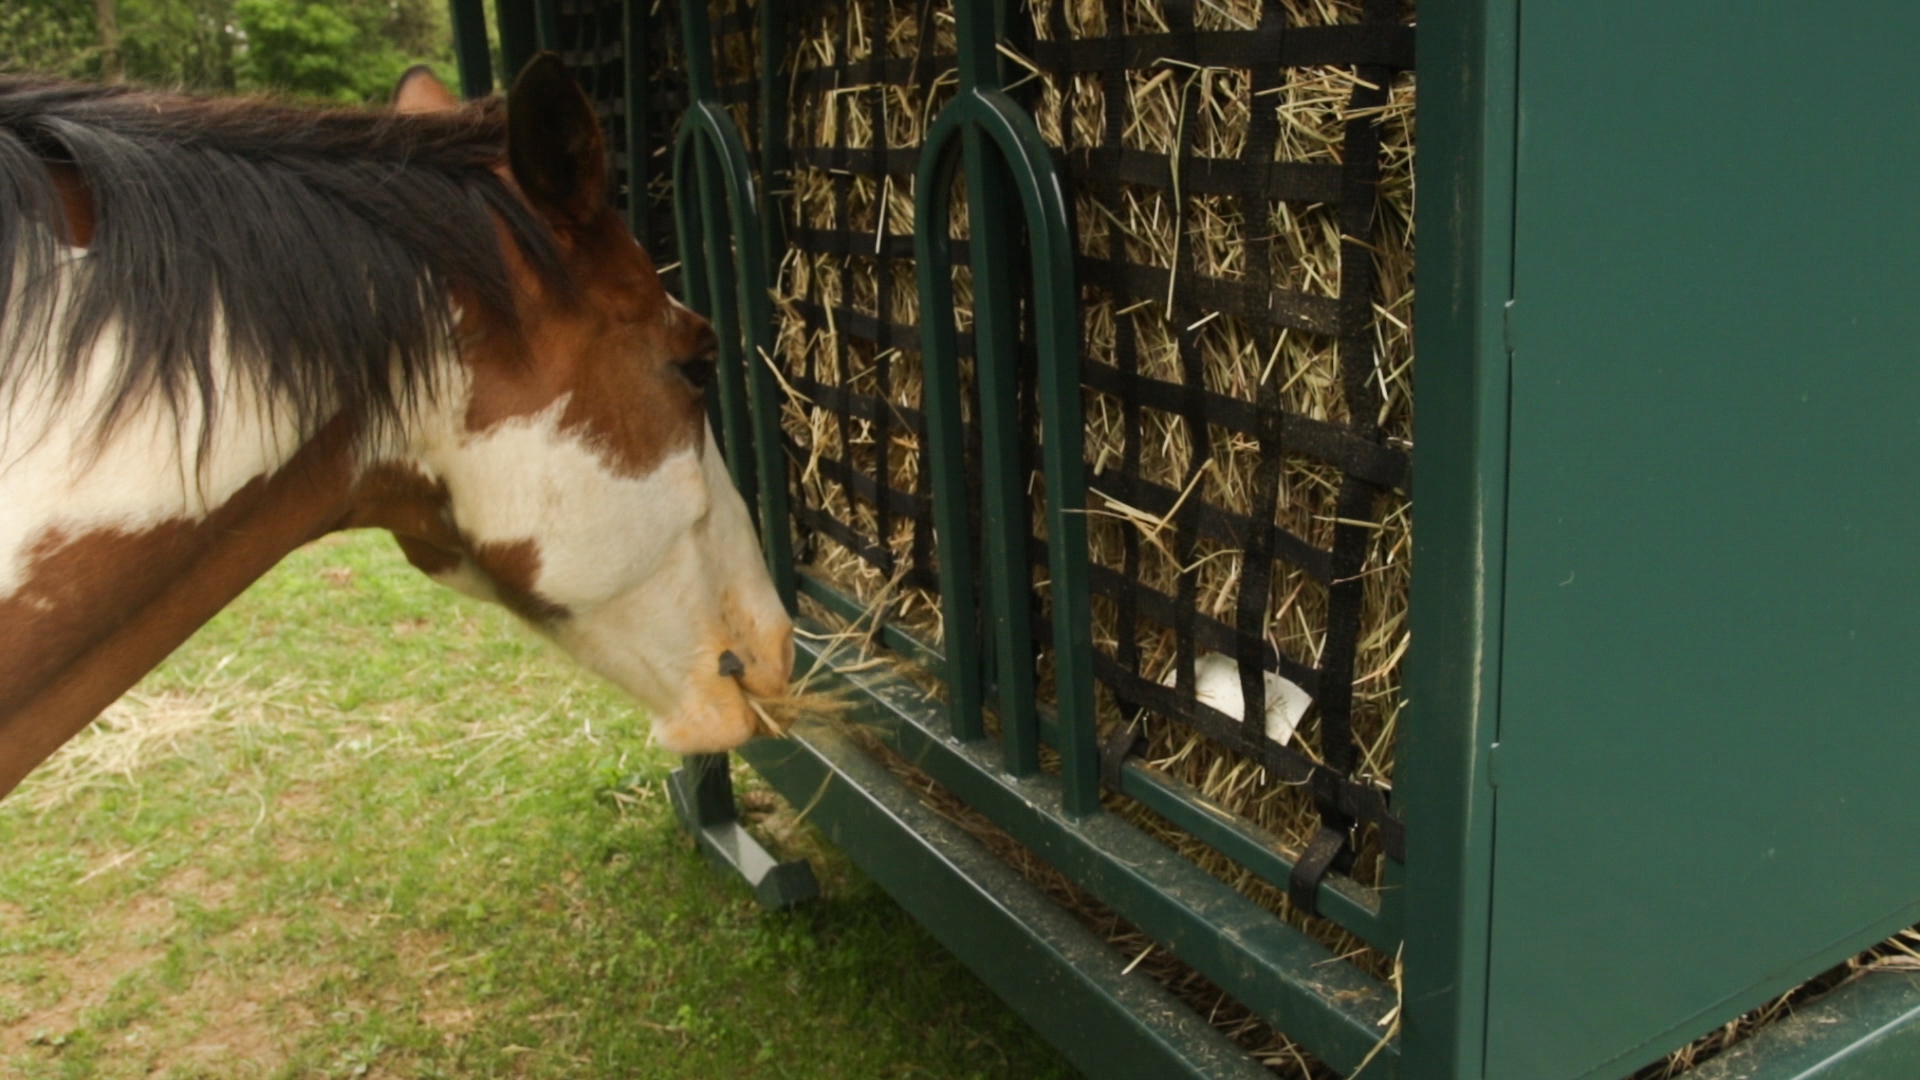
730,666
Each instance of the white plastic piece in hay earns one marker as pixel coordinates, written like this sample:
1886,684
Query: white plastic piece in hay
1217,683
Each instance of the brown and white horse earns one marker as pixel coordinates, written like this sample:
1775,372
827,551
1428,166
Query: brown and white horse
230,327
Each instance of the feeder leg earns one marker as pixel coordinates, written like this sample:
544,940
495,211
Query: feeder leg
702,790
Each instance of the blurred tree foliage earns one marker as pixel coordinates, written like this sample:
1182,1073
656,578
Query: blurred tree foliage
335,50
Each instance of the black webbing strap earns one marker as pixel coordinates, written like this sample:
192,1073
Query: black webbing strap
1189,403
1304,46
1303,885
1120,744
1262,540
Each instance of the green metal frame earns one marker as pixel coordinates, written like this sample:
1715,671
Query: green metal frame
724,243
1441,908
471,53
1058,975
1868,1029
1443,778
702,794
526,27
1339,1014
1001,148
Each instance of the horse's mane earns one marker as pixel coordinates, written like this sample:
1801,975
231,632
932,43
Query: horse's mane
323,244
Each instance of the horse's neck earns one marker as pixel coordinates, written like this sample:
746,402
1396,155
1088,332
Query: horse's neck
62,476
115,548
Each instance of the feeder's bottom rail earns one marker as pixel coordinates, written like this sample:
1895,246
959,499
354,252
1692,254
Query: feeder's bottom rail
1335,1011
1370,914
1061,978
1868,1029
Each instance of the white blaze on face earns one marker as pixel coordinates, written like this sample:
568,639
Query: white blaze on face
659,574
597,531
711,594
58,475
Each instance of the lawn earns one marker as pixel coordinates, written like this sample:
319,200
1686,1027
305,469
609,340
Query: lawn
362,827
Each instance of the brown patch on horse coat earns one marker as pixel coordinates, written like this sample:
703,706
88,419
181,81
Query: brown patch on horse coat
78,589
101,609
412,506
76,203
617,342
416,509
513,568
426,558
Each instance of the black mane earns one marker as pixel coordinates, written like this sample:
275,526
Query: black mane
326,240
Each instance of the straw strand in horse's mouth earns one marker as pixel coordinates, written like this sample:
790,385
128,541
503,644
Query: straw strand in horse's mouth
779,712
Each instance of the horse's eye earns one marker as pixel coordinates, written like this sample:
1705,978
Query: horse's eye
698,370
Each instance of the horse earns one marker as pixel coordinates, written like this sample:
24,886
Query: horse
232,326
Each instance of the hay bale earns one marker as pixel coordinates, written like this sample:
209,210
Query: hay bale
836,298
815,287
1219,236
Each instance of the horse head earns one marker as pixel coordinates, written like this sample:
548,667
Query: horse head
571,473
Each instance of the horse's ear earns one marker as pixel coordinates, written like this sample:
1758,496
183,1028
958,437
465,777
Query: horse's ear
554,143
420,90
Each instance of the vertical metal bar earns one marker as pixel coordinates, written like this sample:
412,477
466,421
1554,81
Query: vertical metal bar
546,24
470,48
729,252
694,279
1024,158
633,51
1469,61
697,35
1062,451
1000,127
519,36
1003,488
724,311
773,18
940,159
975,26
982,121
756,283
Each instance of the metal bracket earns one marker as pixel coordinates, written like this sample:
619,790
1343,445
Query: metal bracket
702,792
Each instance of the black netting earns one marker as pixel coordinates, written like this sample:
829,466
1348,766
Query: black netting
736,65
866,79
593,37
1225,501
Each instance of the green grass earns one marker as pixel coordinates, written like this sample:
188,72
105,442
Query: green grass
362,827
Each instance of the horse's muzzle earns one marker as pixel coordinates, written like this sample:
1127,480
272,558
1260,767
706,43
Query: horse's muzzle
714,715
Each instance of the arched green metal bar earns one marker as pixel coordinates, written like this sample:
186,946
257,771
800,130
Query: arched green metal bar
724,267
708,273
997,142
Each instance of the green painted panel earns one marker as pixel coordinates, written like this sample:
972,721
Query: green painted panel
1708,788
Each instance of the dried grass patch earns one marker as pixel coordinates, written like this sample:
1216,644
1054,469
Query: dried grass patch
148,726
